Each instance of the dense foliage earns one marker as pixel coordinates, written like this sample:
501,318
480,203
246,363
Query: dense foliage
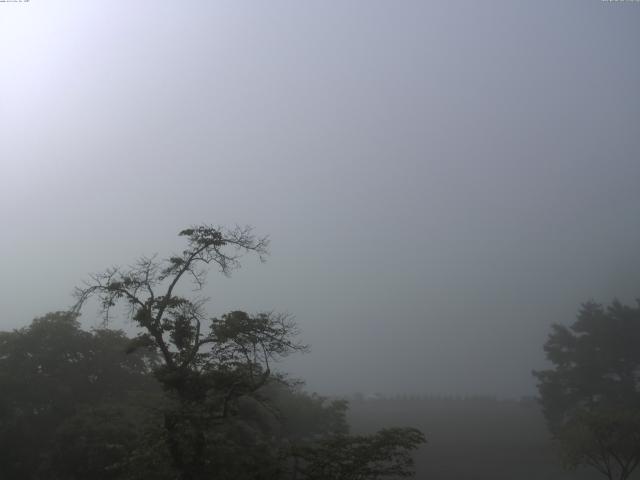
591,396
76,405
72,401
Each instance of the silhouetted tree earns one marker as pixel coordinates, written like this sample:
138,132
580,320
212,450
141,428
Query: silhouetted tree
591,397
208,365
220,419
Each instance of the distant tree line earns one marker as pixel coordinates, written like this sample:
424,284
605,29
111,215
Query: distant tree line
422,397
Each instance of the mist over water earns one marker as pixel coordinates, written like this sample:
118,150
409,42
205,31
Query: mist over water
440,181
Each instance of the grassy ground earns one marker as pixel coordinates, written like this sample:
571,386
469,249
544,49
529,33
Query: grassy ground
471,439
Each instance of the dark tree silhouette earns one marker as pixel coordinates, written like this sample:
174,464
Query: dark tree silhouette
208,364
221,420
591,396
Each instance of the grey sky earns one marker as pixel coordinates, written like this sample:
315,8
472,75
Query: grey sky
441,180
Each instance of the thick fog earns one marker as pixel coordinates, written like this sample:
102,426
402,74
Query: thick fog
441,181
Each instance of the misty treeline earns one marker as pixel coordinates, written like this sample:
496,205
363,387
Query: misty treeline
192,397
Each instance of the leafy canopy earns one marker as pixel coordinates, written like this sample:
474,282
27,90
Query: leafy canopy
591,396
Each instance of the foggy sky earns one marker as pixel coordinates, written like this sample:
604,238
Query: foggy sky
441,181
